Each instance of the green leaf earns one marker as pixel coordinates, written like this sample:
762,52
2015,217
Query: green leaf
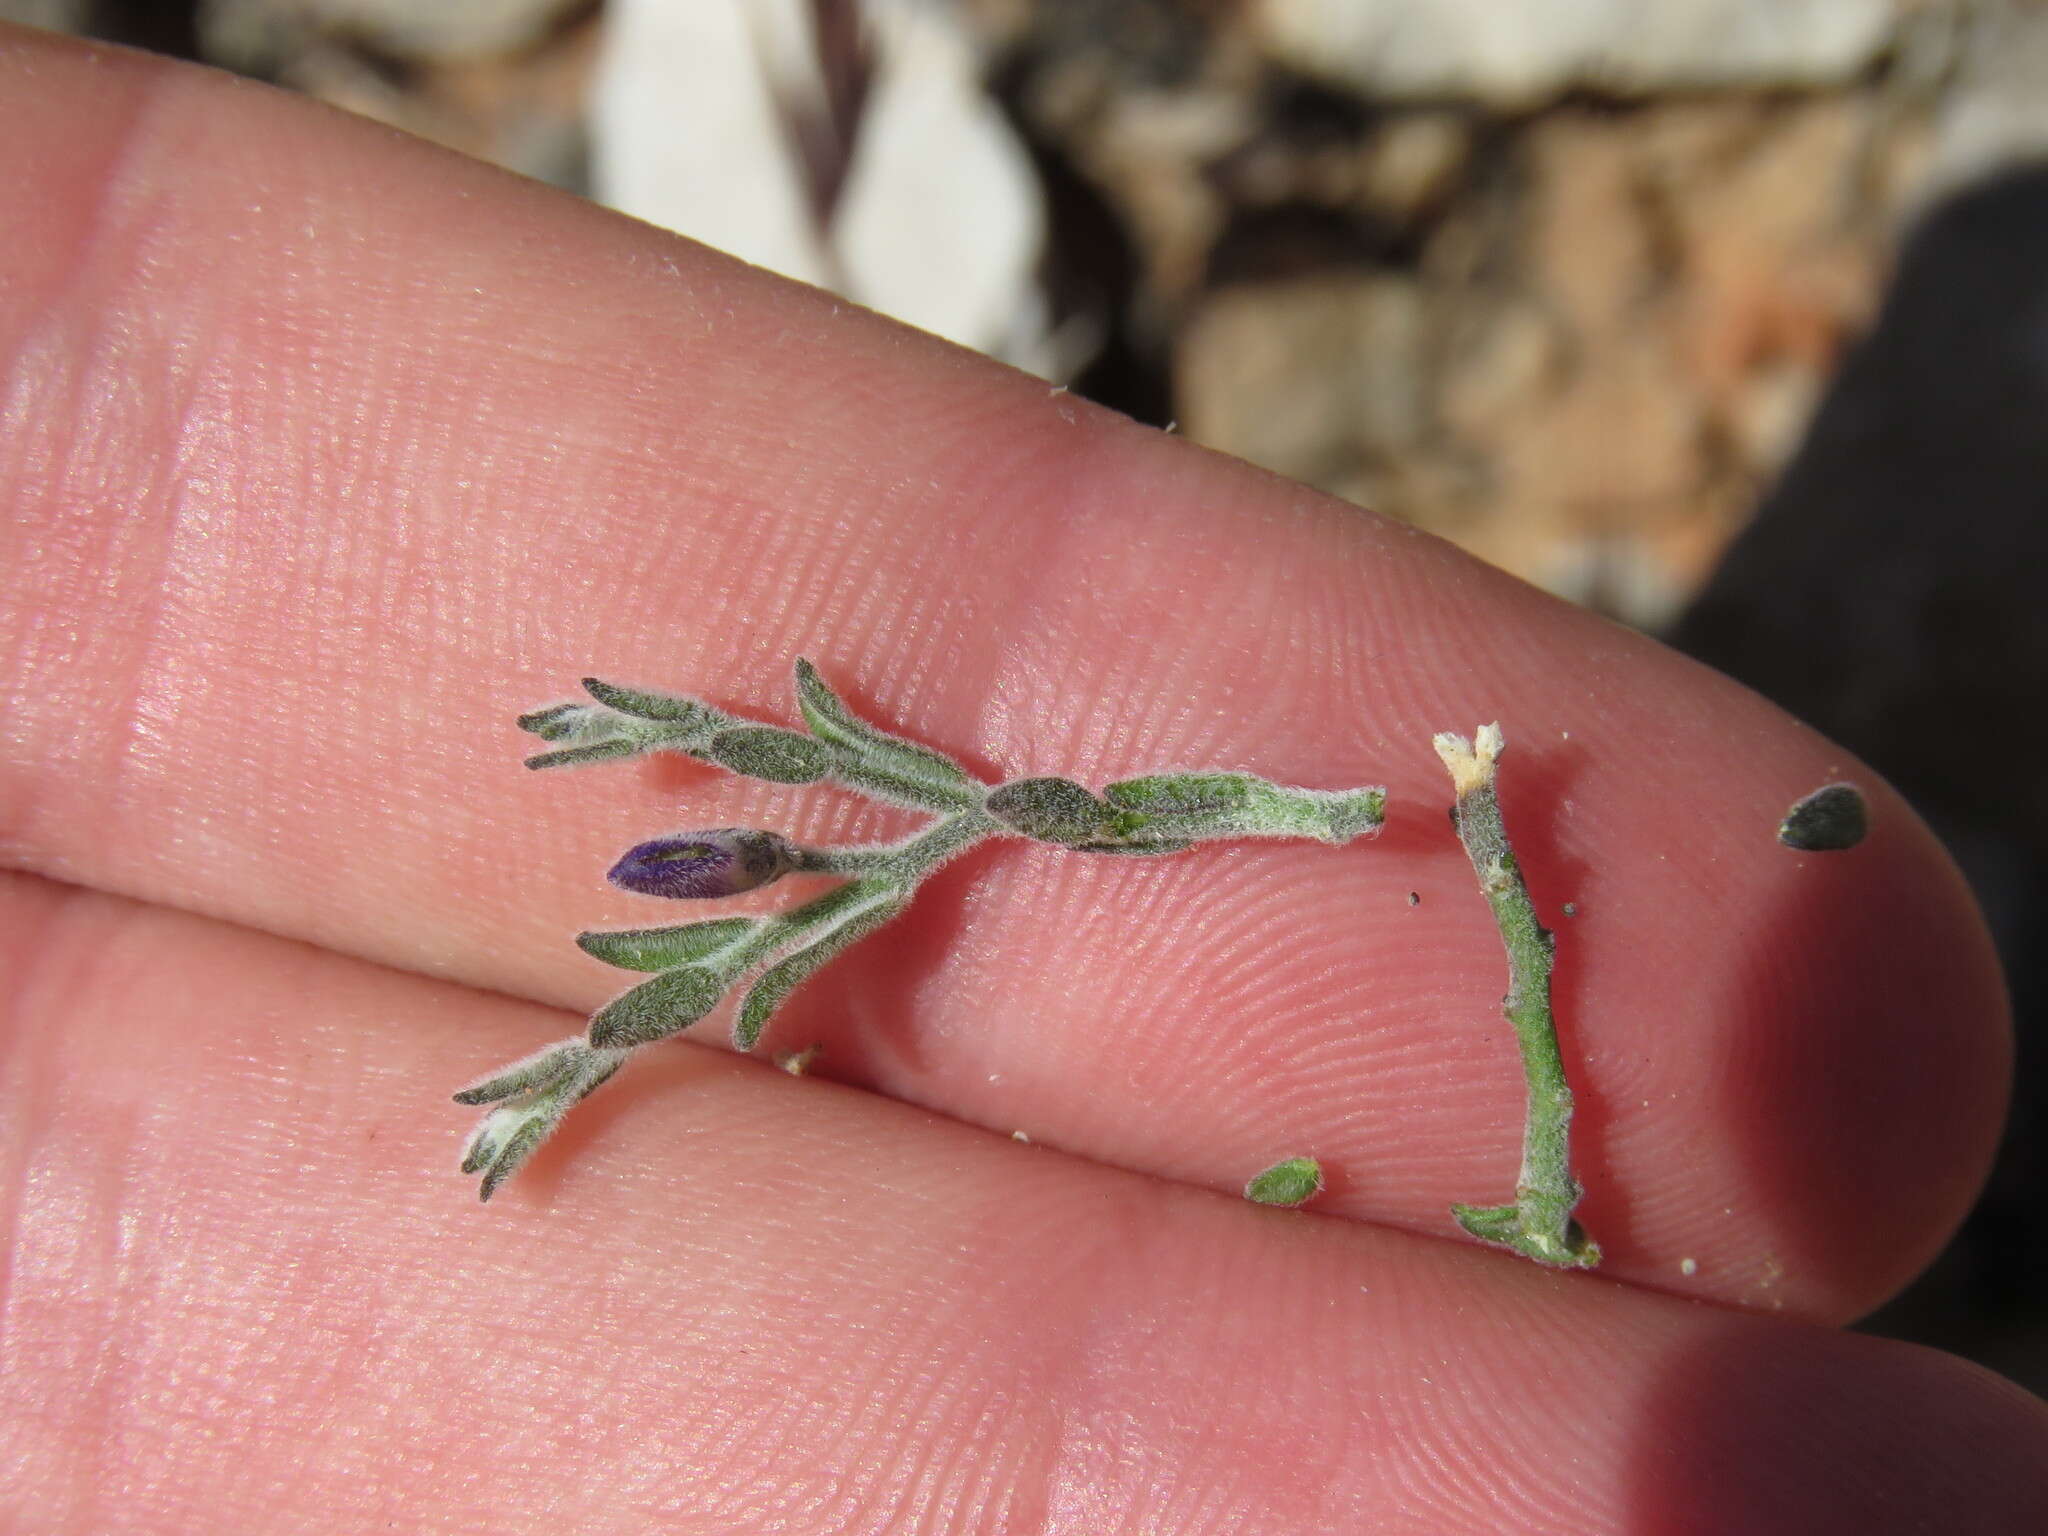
1293,1182
1166,803
537,1071
660,949
656,1009
872,759
1206,805
645,704
769,752
557,722
483,1146
508,1135
508,1159
1351,813
1050,810
1181,794
594,752
1490,1223
876,905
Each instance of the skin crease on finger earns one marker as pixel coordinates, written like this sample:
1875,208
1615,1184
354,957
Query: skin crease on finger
240,1299
325,452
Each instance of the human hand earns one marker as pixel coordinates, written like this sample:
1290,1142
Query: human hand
324,452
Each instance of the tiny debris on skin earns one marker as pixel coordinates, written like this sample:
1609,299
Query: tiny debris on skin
1832,818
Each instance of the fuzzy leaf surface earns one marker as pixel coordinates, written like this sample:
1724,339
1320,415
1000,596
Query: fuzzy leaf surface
856,920
594,752
769,752
645,704
877,761
661,949
658,1008
1050,810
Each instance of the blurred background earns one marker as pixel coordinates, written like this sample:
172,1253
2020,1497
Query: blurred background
1726,318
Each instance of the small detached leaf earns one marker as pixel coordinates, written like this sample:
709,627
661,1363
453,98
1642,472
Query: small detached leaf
654,1010
873,760
661,949
769,752
1296,1181
1050,810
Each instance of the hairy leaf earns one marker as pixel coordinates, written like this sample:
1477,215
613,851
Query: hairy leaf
857,920
656,1009
876,761
769,752
1051,810
661,949
594,752
646,704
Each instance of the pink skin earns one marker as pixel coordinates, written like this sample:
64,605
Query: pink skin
324,452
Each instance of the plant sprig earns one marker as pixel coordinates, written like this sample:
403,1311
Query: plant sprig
1538,1224
695,966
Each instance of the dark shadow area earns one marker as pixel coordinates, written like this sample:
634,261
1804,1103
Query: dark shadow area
1910,1442
1295,240
1890,592
1818,1081
159,26
1090,270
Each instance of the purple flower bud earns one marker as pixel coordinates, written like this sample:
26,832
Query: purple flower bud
691,866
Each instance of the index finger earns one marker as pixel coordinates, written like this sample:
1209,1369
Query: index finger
328,450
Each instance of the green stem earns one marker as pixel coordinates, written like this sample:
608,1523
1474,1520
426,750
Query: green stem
909,861
903,865
1539,1224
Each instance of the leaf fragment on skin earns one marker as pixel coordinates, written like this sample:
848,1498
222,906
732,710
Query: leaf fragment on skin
524,1143
1295,1181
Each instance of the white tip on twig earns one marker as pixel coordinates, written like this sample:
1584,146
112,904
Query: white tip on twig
1471,762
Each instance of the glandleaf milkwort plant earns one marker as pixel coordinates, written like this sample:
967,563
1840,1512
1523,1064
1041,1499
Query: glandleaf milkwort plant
695,965
1539,1223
